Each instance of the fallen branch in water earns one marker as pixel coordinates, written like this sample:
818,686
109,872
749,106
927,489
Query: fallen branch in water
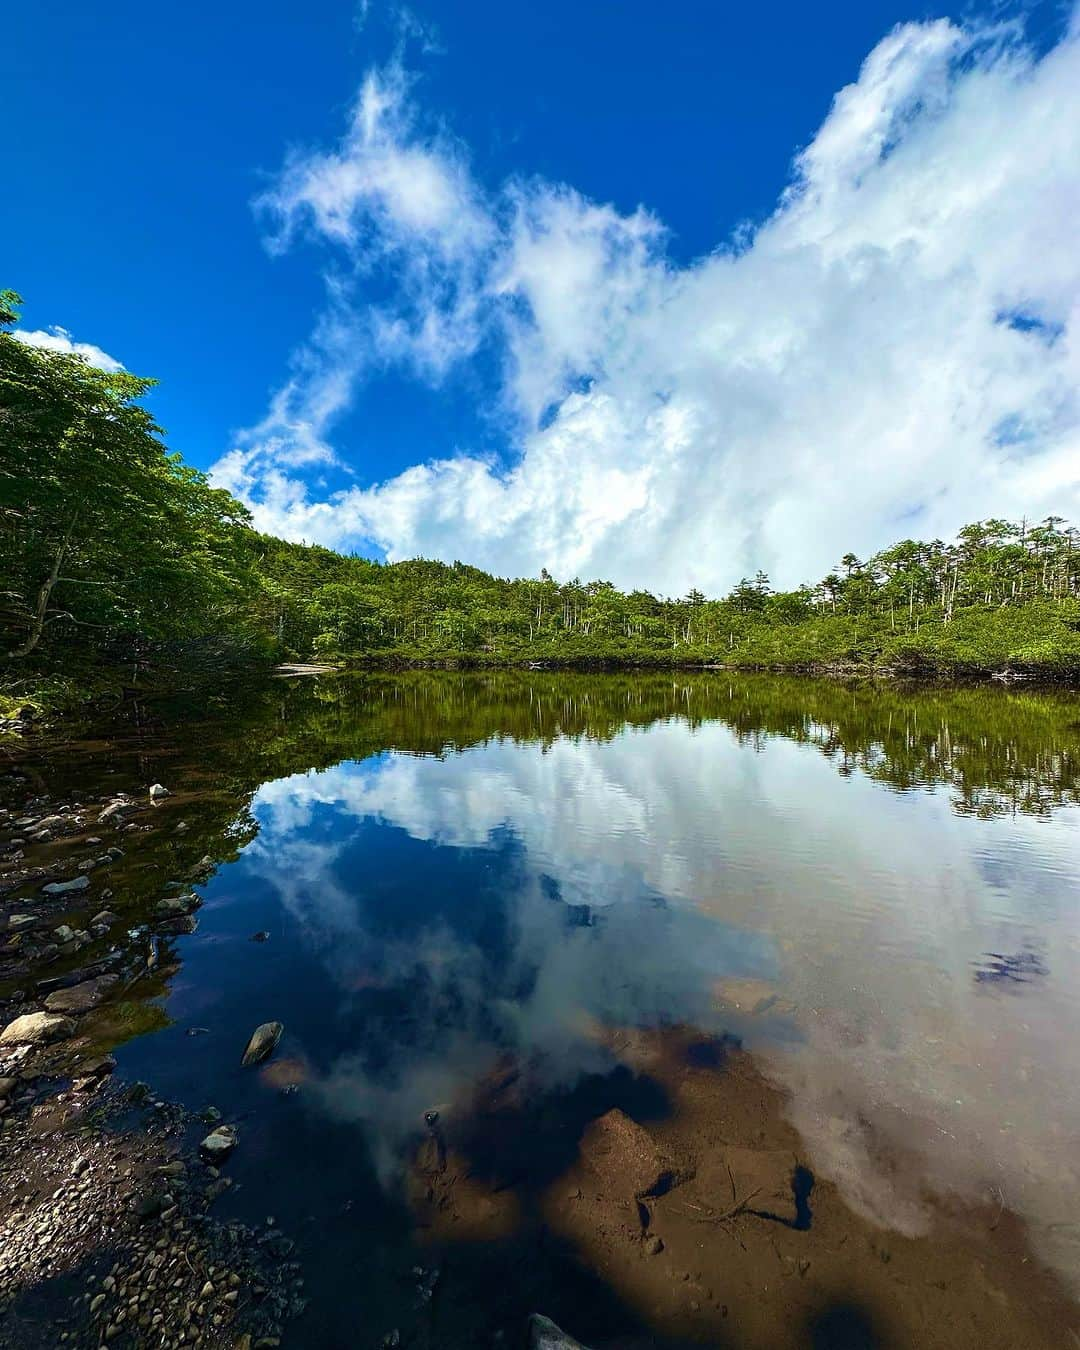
732,1213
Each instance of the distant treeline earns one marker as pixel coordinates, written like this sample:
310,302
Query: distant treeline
119,562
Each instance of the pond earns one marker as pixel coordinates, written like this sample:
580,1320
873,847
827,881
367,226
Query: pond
815,945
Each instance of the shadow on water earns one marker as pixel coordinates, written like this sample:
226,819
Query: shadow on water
802,1183
529,1145
845,1326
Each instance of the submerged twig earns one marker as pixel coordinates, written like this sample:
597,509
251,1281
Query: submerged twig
733,1212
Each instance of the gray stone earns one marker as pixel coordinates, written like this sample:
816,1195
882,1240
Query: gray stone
263,1040
105,919
19,921
81,997
39,1028
115,808
545,1335
218,1144
157,791
98,1067
66,887
177,905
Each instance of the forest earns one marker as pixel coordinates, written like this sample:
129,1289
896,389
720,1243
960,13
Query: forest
122,567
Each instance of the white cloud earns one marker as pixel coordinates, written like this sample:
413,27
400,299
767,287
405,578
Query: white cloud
838,378
58,339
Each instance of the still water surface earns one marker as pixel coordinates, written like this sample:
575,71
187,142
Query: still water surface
876,891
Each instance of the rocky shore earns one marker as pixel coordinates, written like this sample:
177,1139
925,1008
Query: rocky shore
107,1236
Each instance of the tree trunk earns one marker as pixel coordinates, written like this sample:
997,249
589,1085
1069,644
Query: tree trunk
41,609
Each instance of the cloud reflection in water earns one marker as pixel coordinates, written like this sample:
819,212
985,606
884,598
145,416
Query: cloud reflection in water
533,892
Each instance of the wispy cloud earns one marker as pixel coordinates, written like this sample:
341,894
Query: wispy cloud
836,376
60,340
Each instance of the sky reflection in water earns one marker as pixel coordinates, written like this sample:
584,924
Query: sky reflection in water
512,895
876,890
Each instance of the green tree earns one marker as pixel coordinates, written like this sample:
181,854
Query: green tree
102,529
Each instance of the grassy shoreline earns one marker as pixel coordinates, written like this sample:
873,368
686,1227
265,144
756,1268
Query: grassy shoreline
54,698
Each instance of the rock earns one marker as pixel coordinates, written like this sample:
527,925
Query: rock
39,1028
98,1067
148,1207
7,1087
65,887
177,905
545,1335
20,921
625,1157
157,791
769,1172
186,923
261,936
115,808
105,919
654,1246
263,1040
81,997
218,1144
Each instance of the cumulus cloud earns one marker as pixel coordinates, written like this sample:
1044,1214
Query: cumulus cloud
892,352
57,339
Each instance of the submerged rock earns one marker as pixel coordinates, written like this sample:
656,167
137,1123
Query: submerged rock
39,1028
626,1158
64,887
81,997
263,1040
115,808
545,1335
157,791
177,905
218,1144
187,923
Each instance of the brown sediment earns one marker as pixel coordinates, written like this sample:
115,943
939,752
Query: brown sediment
703,1216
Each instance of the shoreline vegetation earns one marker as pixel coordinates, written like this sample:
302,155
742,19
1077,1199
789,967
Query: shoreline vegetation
122,569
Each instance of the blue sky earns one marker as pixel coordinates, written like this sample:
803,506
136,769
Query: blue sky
147,134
